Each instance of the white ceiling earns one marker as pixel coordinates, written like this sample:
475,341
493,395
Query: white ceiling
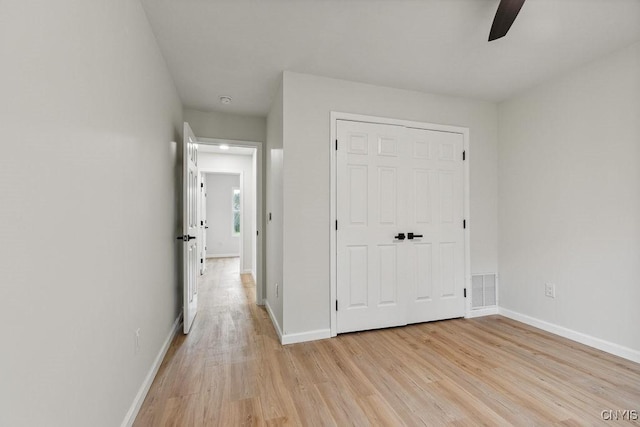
239,48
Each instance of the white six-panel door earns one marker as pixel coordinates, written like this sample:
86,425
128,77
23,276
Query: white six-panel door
435,211
392,180
190,228
370,213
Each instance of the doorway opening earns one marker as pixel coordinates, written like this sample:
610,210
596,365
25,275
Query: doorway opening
230,180
221,218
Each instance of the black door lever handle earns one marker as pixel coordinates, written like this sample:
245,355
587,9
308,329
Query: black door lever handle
411,236
185,238
400,236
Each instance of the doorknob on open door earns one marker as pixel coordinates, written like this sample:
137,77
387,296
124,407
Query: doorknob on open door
400,236
186,238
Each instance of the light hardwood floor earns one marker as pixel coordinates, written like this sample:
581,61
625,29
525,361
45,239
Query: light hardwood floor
231,370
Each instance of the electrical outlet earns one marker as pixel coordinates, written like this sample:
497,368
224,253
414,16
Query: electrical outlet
137,340
550,290
277,290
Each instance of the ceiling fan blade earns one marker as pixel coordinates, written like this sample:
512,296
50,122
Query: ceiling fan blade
506,14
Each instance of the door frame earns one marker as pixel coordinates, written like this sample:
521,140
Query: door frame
335,116
260,226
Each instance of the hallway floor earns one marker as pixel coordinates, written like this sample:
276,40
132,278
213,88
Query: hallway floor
231,371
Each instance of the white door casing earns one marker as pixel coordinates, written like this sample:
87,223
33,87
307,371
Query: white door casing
190,228
393,179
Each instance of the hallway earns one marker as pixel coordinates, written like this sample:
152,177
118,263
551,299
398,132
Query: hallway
207,374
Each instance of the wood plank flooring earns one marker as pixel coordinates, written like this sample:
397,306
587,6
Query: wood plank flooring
232,371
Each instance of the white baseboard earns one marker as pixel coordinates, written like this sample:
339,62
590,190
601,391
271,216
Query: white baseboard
146,384
223,255
318,334
600,344
273,320
248,271
480,312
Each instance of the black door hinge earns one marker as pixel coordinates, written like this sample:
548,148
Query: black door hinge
464,155
336,144
202,185
257,233
464,223
336,224
201,261
465,292
336,305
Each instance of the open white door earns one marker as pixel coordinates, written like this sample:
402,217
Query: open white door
190,228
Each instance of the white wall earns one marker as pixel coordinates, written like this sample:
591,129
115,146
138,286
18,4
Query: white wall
213,124
308,101
220,239
211,162
274,165
569,191
88,216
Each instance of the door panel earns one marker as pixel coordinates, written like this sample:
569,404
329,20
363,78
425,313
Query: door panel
423,253
358,267
387,195
358,198
388,273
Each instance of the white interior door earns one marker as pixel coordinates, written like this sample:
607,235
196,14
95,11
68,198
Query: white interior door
435,213
190,229
371,212
392,181
202,242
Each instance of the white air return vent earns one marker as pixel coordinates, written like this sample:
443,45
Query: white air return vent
484,290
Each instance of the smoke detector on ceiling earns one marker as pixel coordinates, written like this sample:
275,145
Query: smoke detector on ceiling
226,100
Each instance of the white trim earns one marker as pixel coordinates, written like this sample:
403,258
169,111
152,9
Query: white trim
273,319
248,271
132,413
223,255
334,117
481,312
600,344
318,334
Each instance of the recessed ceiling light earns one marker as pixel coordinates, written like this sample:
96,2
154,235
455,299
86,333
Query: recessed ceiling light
226,100
224,147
